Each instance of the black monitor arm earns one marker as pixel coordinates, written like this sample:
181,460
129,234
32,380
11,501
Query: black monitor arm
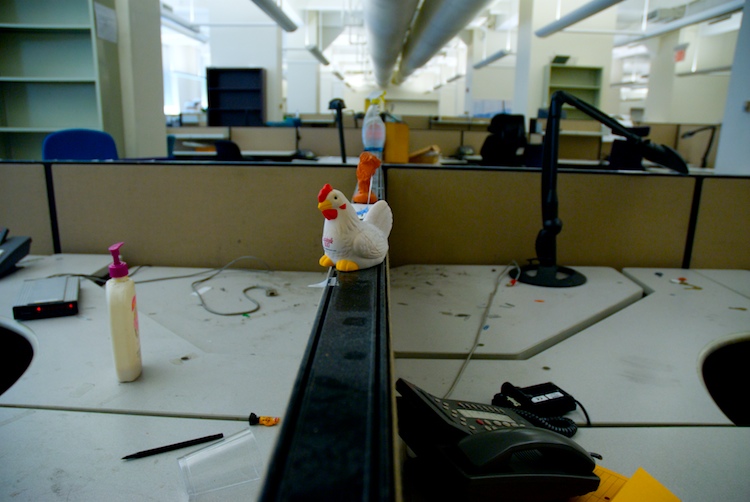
338,105
712,128
547,272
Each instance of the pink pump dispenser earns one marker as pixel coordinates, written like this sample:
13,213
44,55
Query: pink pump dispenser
123,318
117,268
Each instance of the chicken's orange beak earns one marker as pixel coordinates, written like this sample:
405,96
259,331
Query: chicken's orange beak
327,209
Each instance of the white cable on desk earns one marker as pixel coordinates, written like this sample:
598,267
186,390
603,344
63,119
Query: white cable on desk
485,315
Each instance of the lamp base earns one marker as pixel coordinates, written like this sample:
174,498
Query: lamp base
553,276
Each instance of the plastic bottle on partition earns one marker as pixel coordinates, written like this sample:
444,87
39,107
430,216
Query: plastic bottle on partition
373,128
123,318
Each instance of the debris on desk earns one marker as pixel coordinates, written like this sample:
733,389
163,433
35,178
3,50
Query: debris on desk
683,282
254,419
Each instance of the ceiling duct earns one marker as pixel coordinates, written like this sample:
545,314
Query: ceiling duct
689,19
665,15
437,22
387,22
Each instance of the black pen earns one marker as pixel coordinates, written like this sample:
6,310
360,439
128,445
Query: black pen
176,446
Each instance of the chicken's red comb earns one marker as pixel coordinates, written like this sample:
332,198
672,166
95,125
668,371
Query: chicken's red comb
324,192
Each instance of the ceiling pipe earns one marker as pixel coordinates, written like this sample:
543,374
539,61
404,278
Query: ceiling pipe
386,23
491,59
275,13
581,13
698,17
437,22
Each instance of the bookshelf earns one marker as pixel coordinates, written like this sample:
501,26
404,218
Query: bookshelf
236,96
584,82
55,73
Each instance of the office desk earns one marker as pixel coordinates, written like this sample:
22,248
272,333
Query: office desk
635,371
436,310
71,455
201,372
273,155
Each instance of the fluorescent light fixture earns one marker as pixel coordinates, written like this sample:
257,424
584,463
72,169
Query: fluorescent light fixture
315,51
491,59
706,71
698,17
275,13
180,25
581,13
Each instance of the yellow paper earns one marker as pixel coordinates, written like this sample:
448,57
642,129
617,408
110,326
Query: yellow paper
642,487
609,486
614,487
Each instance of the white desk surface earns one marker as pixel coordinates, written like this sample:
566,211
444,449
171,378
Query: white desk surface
194,363
636,372
638,366
63,455
436,311
202,374
736,280
245,153
67,422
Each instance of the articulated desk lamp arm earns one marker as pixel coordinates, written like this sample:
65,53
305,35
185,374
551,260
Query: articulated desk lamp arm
547,273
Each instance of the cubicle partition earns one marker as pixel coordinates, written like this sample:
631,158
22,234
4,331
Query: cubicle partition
324,141
264,138
24,206
472,216
199,215
722,239
206,214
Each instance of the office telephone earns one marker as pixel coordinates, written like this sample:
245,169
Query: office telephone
488,452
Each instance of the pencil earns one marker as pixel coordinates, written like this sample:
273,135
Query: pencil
171,447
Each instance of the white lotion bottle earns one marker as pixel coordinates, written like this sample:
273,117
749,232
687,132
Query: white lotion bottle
123,318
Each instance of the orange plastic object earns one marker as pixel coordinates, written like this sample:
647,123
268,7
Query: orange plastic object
368,164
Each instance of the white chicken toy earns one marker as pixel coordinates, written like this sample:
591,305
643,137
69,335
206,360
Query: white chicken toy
350,243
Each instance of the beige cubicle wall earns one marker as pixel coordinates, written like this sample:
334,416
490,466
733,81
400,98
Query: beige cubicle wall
264,138
24,209
196,215
187,214
475,139
324,141
470,216
722,234
447,141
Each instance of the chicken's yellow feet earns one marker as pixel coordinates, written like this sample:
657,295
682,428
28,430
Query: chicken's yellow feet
346,266
325,261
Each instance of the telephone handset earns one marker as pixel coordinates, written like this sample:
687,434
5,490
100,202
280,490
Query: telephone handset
487,450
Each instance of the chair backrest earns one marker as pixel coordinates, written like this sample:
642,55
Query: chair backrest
227,150
626,155
507,136
79,144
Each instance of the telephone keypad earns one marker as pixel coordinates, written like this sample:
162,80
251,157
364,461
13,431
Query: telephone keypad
476,417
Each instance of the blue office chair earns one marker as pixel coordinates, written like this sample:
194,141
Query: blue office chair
79,144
